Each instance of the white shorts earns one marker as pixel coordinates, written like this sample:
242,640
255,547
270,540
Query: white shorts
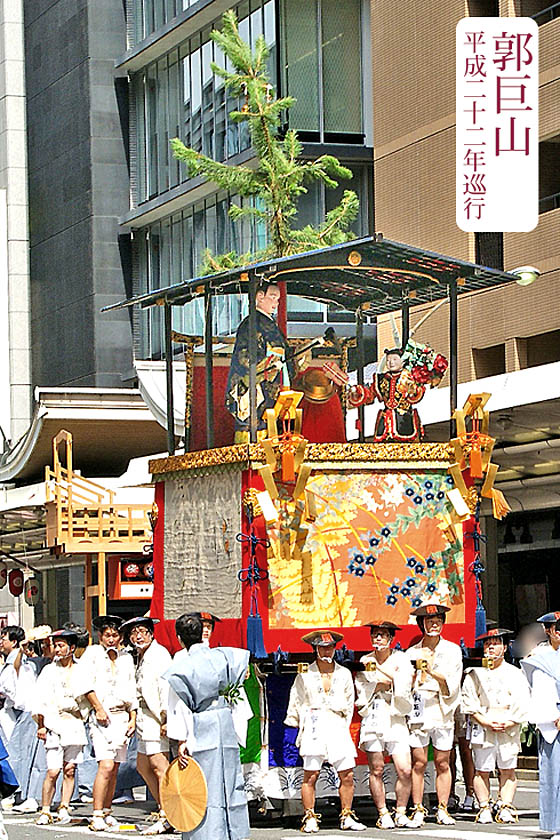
153,747
104,749
315,762
487,759
440,736
59,757
380,745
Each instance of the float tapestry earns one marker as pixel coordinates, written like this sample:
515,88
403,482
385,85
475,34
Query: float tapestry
378,546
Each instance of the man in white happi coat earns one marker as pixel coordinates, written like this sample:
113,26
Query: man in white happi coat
11,639
152,660
321,705
436,694
384,699
496,698
108,683
58,711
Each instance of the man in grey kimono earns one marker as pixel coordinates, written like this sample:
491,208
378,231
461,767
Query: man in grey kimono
203,681
542,668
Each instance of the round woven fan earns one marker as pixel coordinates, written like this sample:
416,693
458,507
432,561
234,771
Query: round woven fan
184,795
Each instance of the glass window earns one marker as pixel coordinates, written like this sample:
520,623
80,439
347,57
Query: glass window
151,132
342,89
300,59
162,126
196,99
173,117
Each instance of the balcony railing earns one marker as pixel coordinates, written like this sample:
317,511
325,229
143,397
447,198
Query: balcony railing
548,14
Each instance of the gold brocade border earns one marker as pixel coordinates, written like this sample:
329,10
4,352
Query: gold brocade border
374,453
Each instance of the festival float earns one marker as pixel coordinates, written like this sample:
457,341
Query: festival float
281,535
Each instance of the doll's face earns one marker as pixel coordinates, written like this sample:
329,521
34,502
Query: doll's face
394,362
268,301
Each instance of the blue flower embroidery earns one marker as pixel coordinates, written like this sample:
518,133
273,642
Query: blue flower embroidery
359,558
419,568
359,572
394,589
410,582
429,496
418,500
385,532
409,491
411,562
373,542
430,562
428,485
416,602
405,591
371,560
431,587
440,495
391,600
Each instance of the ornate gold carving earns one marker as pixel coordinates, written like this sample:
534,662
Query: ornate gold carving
251,502
367,453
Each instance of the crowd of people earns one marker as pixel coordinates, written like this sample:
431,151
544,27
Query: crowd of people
73,696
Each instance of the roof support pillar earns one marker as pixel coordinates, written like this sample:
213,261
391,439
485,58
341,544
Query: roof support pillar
253,420
360,365
405,317
209,364
453,344
169,378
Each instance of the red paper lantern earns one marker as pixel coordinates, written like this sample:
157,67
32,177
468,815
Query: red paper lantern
131,570
15,582
31,591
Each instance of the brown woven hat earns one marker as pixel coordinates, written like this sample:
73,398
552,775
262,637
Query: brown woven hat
383,625
184,795
430,609
493,633
322,638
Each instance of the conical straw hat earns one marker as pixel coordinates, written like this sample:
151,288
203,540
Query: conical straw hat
184,795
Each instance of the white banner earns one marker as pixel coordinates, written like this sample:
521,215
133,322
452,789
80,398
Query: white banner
497,92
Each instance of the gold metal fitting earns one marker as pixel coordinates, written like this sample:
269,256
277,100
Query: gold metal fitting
371,666
421,664
302,667
354,258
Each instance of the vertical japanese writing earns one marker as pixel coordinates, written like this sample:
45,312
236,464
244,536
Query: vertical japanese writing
497,124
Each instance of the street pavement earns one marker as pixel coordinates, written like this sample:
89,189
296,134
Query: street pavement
134,817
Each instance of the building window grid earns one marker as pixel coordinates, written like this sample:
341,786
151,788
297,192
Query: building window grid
172,250
183,97
151,15
179,96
